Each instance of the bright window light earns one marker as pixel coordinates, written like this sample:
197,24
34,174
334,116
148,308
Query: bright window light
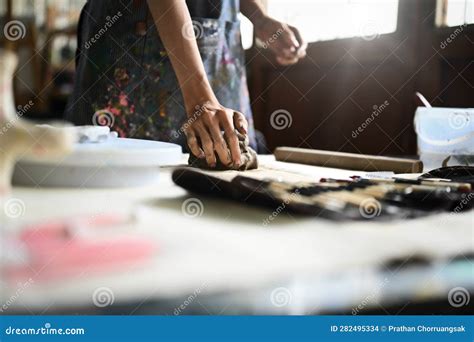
320,20
458,12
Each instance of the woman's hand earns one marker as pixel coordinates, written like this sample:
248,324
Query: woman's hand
283,40
204,129
206,117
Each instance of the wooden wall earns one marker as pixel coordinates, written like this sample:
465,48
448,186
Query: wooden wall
334,90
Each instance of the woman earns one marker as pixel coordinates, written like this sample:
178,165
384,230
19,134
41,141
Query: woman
173,70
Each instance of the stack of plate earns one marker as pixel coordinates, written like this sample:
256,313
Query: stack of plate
101,160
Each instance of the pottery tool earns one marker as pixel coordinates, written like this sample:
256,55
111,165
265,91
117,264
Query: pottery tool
433,183
350,161
337,199
341,198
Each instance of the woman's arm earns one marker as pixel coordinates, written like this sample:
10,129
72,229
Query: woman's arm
253,10
207,116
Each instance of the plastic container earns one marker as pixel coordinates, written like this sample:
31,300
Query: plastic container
443,133
113,163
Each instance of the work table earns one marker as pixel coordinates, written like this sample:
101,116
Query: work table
226,247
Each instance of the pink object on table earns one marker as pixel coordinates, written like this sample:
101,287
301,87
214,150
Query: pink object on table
56,250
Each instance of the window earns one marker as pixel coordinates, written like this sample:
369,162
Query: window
320,20
455,12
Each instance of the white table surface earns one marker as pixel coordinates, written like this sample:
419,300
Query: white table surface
227,247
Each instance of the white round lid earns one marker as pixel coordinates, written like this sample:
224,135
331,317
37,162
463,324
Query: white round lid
122,152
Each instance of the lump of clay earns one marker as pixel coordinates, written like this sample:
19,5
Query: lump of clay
248,158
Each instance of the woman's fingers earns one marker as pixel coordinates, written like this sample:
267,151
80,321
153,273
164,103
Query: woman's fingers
290,47
289,39
207,144
285,56
240,123
194,144
227,124
205,138
285,46
286,61
283,52
297,35
220,146
301,52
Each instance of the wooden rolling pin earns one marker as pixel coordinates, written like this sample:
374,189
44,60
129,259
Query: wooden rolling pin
350,161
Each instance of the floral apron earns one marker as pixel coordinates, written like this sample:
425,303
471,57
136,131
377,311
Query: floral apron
124,76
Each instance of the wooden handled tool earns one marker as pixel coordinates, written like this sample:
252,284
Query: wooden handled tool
343,160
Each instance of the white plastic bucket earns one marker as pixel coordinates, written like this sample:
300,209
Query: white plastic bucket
444,132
